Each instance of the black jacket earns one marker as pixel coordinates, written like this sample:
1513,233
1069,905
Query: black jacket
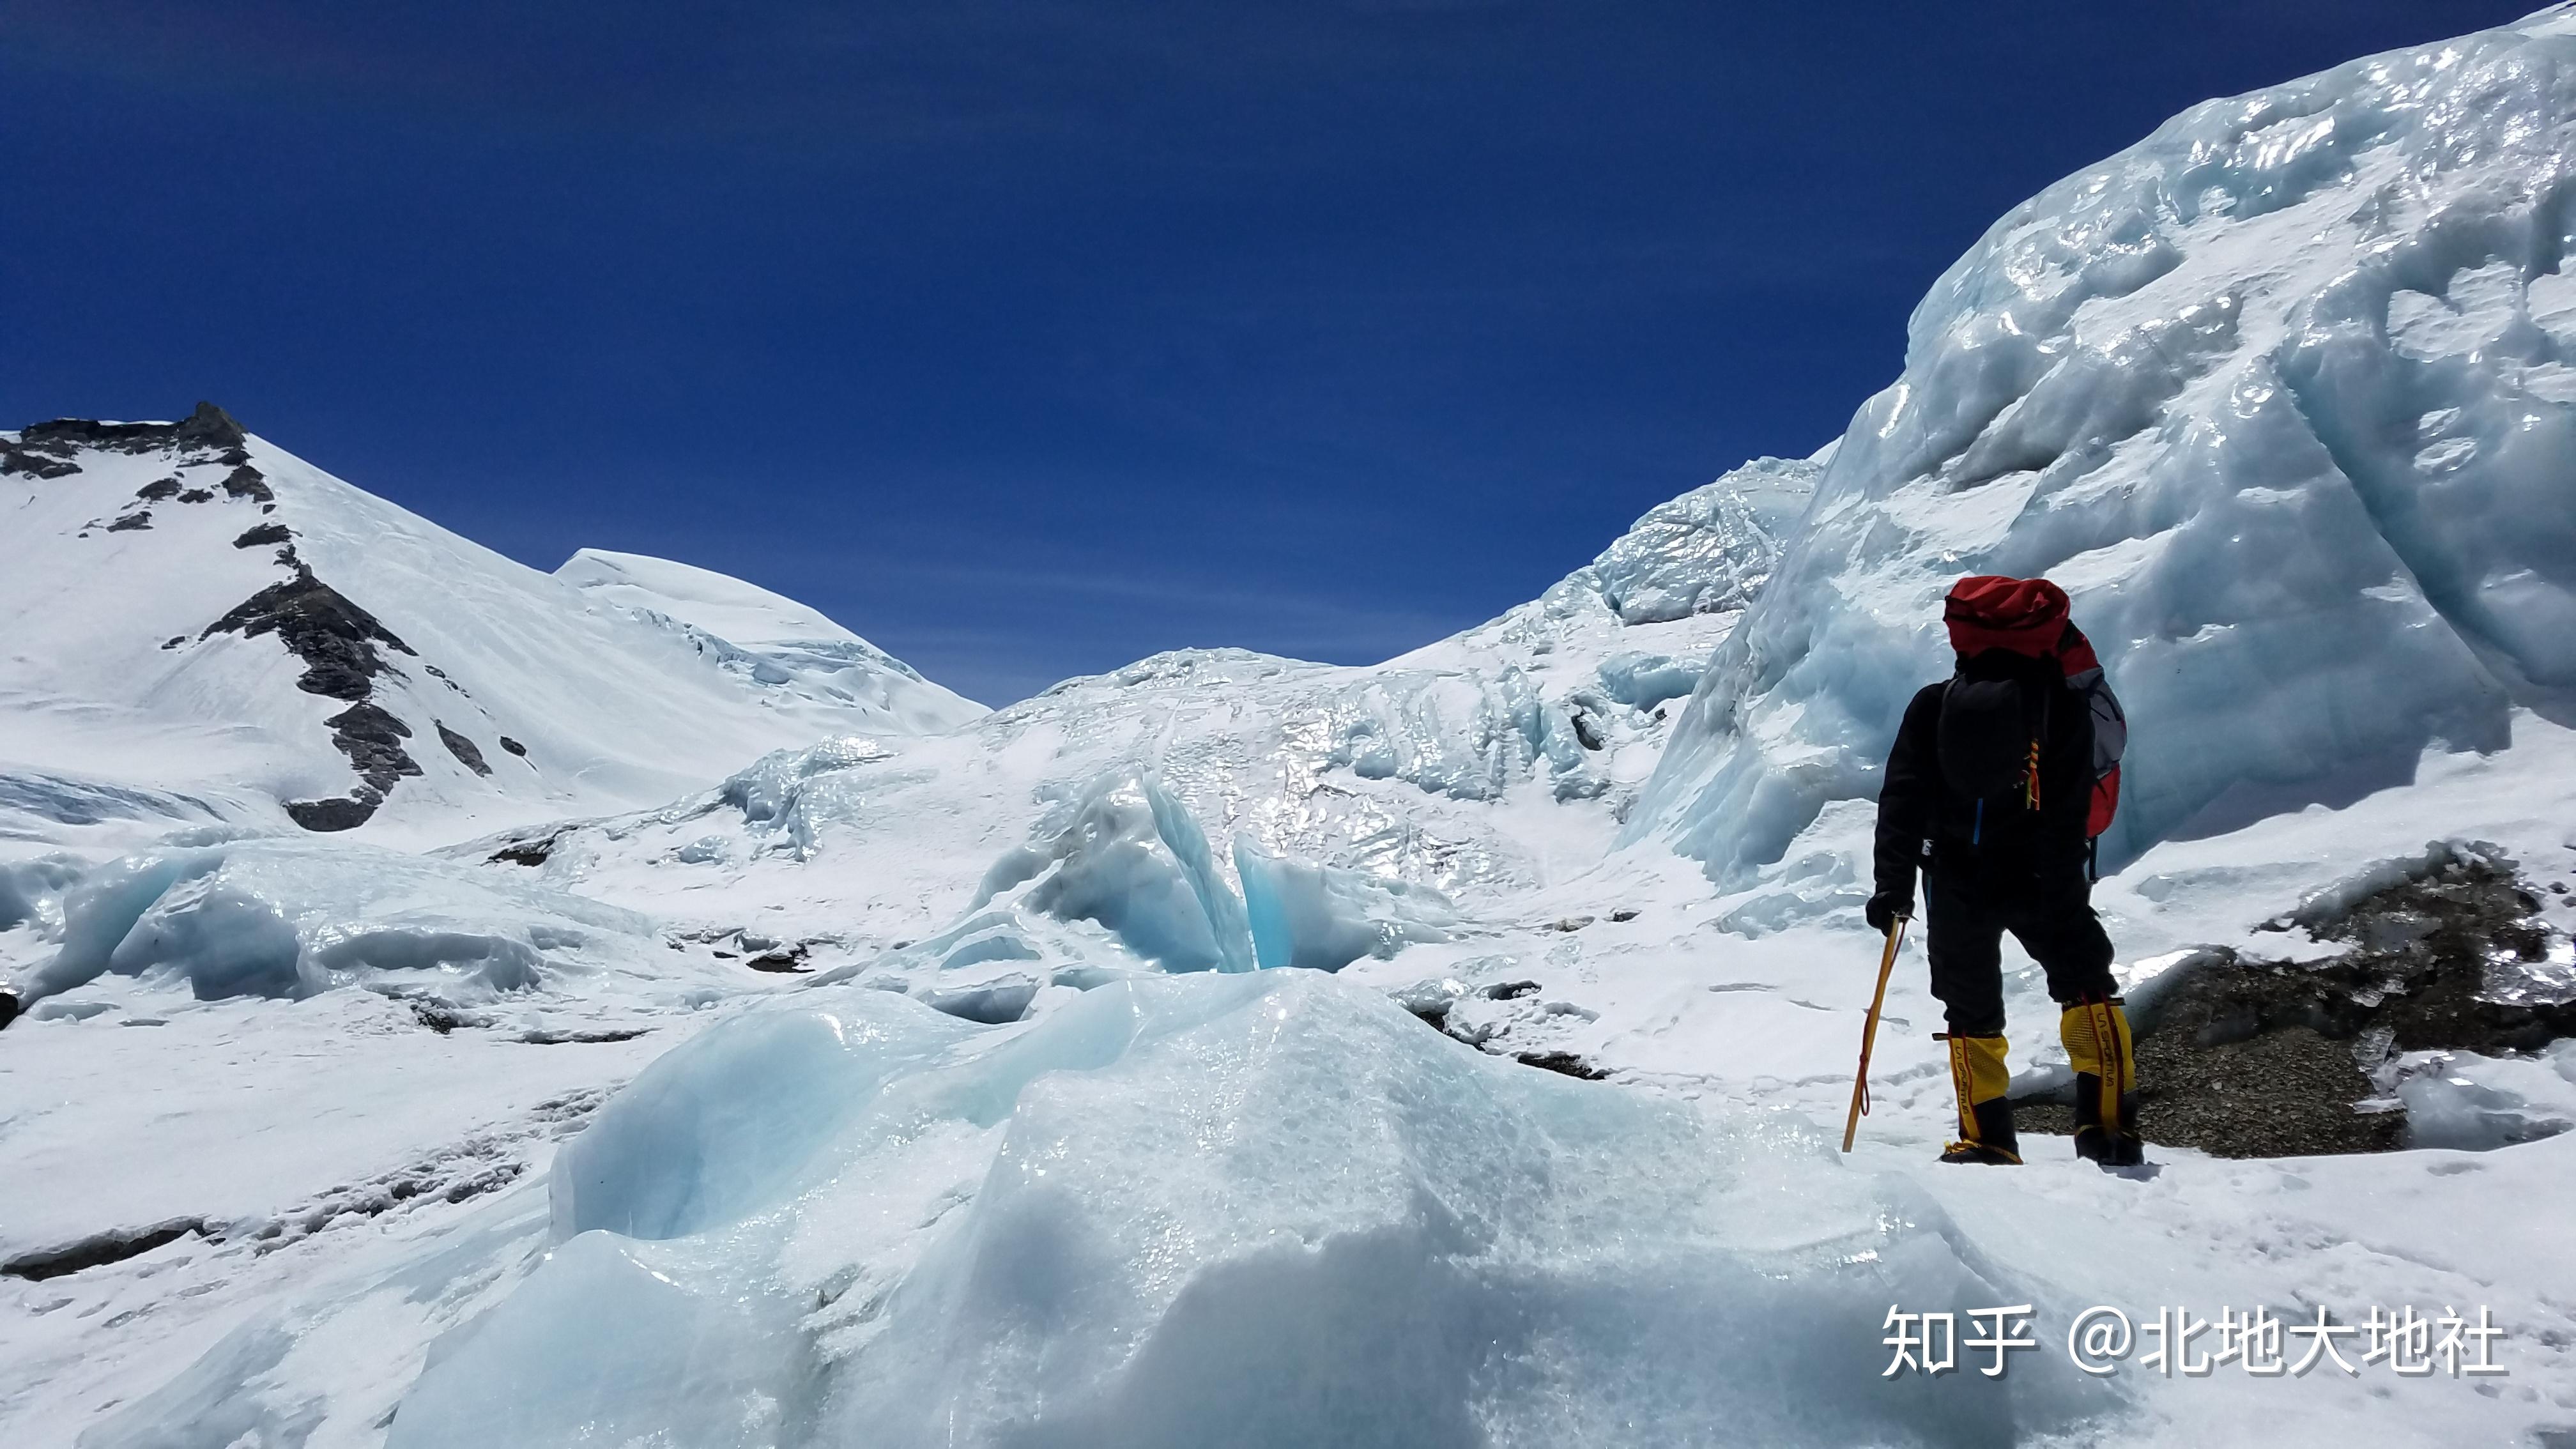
2004,850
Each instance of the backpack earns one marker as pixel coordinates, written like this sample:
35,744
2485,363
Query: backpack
1999,726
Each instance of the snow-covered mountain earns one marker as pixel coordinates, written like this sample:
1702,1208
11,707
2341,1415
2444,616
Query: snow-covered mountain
918,1087
201,627
1480,767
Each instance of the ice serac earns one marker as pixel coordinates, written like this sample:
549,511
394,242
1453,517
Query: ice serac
1710,550
1265,1209
1323,918
292,917
1122,853
2283,395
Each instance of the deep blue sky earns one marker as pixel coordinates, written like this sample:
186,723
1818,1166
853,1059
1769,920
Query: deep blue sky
1028,337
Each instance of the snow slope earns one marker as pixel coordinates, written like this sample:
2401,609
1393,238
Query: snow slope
779,645
203,628
961,1120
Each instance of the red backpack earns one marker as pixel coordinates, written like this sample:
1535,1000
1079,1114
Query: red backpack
2028,617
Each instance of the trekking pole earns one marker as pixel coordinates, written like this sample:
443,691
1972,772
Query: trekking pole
1869,1031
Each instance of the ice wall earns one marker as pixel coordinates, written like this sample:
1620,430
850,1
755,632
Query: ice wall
1264,1209
1123,853
1710,550
290,917
31,891
2283,395
1323,918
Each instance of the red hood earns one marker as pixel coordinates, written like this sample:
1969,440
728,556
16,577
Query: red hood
2026,616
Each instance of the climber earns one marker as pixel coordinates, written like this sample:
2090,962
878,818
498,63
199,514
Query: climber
1999,780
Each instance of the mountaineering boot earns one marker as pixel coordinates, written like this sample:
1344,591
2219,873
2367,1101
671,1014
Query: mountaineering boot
1978,1075
2096,1033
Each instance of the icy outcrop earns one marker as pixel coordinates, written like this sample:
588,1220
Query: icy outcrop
1674,581
1123,854
1641,681
2283,395
2468,1102
1390,771
1117,880
289,918
31,891
1709,551
1264,1209
1323,918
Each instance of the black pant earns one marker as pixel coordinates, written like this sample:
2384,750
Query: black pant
1964,933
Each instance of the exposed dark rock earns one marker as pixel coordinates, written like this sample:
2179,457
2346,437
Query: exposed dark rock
325,816
1507,990
248,482
34,463
1564,1063
2282,1093
139,519
1570,923
107,437
525,852
1624,913
2249,1058
335,638
208,427
212,427
8,1008
514,747
569,1038
166,488
443,1017
99,1250
465,750
788,959
372,738
174,641
261,533
196,495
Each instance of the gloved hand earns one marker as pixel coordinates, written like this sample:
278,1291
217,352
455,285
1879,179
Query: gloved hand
1884,908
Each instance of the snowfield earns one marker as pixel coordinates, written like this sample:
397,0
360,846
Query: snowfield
1238,1050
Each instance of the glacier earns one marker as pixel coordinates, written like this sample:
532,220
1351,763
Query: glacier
1153,1060
1206,1209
